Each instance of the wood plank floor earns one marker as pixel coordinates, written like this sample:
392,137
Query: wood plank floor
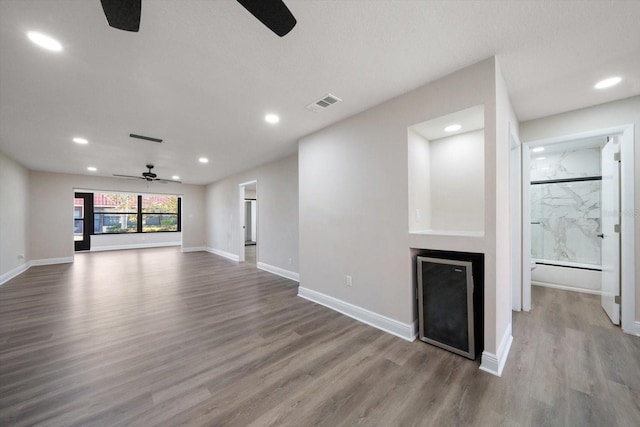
159,337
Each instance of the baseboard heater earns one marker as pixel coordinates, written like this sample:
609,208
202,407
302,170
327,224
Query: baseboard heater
451,300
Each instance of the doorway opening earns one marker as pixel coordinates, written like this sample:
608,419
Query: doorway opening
576,190
248,244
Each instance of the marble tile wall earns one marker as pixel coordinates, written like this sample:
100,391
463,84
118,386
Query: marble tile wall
566,216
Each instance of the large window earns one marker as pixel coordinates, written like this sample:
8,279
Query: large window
115,213
134,213
159,213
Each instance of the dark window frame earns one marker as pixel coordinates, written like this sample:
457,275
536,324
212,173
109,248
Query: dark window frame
139,215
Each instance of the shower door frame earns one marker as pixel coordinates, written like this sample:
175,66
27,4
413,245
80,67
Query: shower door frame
627,209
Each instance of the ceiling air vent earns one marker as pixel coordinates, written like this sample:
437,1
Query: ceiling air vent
320,104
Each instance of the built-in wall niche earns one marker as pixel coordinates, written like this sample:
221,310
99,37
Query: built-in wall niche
446,174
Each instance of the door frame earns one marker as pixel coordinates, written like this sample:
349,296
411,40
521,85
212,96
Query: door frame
627,209
87,219
526,226
515,184
242,218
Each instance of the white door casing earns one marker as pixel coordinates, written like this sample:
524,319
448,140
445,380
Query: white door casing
515,185
526,227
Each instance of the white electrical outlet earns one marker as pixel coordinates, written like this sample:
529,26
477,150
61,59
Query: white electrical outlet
20,256
290,260
349,281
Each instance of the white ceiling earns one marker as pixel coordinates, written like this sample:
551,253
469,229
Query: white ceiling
201,74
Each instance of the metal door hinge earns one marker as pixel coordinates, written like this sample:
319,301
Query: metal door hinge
616,157
616,299
616,228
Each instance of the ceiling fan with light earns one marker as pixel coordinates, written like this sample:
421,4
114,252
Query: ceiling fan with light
125,14
148,176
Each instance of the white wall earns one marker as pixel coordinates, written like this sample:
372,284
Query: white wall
277,213
105,242
14,202
51,209
617,113
506,123
419,182
354,200
457,177
446,183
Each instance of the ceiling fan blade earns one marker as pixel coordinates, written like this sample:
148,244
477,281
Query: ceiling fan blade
166,181
272,13
123,14
128,176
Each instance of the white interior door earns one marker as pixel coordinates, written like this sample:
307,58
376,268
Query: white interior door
610,208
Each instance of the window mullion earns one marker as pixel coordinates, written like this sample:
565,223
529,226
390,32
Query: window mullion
139,221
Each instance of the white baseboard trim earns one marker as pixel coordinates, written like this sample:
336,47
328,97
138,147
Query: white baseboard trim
566,288
634,330
194,249
50,261
132,246
33,263
225,254
494,363
406,331
291,275
14,272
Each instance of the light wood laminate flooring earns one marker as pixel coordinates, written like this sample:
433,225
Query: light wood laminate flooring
159,337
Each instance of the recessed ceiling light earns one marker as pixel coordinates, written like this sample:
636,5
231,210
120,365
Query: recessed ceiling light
540,158
92,169
80,140
611,81
452,128
44,41
538,149
203,160
272,118
175,177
